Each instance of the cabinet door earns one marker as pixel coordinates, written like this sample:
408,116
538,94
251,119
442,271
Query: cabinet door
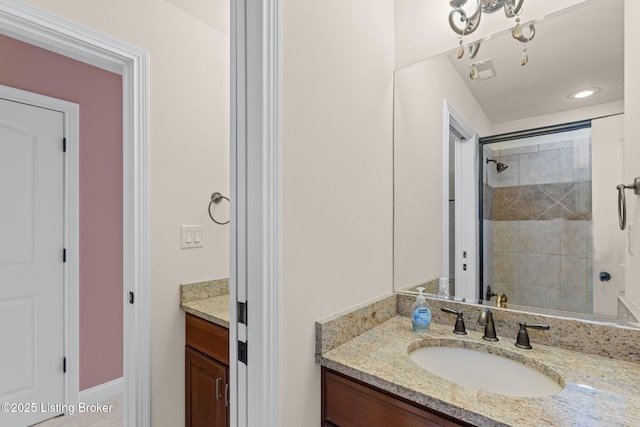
206,384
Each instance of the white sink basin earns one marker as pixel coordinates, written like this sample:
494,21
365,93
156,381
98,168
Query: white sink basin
485,371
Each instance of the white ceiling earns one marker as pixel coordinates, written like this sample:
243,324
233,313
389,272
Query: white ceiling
578,48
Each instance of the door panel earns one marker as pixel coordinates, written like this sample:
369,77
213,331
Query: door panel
16,218
31,267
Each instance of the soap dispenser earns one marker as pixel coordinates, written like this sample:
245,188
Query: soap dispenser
420,313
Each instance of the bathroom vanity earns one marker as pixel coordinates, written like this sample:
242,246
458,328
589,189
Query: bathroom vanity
368,376
206,354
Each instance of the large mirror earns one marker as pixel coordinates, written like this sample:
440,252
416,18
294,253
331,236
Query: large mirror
453,180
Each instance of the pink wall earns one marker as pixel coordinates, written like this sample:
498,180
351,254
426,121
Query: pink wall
99,94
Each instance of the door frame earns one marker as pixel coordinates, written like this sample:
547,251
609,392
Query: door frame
45,30
71,242
256,77
466,188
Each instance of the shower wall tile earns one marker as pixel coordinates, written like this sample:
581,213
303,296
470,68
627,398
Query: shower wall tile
505,267
547,280
575,238
540,297
487,252
558,211
578,200
558,191
576,301
574,273
539,270
533,202
505,236
487,202
539,168
570,201
539,237
542,239
508,194
575,164
500,206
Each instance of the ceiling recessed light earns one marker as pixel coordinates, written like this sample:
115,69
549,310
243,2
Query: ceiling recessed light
584,93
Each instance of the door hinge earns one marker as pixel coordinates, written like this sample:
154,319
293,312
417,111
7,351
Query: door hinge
130,297
242,312
242,352
64,255
64,365
64,145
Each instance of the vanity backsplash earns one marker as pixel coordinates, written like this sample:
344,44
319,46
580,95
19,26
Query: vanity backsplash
601,339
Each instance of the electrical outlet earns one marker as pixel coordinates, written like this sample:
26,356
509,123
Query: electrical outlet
191,236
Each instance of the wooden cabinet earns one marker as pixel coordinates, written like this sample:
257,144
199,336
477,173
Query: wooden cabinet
206,374
347,402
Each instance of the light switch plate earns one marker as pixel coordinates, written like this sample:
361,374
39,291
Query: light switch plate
191,236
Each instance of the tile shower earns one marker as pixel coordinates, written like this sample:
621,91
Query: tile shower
537,239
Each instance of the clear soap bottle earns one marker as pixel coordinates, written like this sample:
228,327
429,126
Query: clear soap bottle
421,313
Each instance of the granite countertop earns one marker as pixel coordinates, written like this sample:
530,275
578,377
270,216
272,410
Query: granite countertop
214,309
598,391
207,300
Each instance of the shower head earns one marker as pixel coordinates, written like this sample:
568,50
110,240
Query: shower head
500,167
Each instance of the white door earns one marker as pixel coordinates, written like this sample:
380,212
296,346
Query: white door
461,165
31,263
466,218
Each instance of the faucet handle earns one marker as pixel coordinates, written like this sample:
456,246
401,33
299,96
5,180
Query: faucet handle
459,327
523,337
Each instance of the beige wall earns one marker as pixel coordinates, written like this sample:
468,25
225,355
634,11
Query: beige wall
336,178
418,143
189,121
632,145
607,136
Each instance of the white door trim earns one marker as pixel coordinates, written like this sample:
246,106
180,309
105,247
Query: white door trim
466,214
71,330
255,190
29,24
466,189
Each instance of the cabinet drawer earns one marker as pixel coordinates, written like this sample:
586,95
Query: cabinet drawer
207,337
350,403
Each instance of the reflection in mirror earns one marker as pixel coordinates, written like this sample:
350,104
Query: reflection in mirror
536,231
563,58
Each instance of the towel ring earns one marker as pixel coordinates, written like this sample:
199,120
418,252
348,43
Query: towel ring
217,198
622,203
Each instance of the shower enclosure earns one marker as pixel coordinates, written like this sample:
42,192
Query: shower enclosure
536,212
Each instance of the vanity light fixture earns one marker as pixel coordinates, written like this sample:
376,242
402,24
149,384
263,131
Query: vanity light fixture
465,16
584,93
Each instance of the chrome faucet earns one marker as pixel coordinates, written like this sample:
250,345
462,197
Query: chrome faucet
486,320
